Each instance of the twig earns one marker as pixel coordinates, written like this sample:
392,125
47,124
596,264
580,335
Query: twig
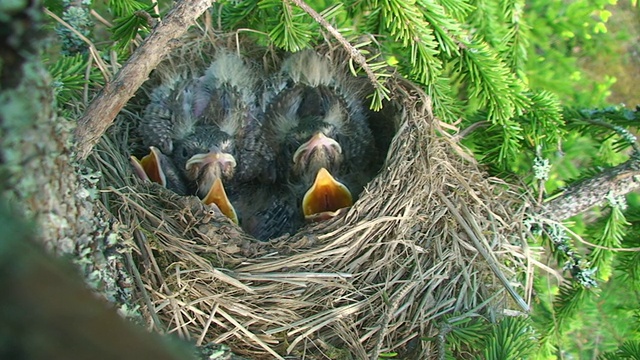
112,98
87,76
99,17
590,244
471,128
622,132
577,198
157,324
354,53
441,340
384,329
92,49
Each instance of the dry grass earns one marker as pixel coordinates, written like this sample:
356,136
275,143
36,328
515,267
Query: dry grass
431,235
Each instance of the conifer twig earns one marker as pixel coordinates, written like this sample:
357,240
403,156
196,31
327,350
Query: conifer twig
112,98
579,197
354,53
622,132
95,55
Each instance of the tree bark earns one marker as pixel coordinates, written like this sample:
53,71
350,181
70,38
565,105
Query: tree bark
38,174
583,195
46,312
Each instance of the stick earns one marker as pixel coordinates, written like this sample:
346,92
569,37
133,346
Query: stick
579,197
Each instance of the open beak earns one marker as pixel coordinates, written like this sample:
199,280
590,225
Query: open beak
318,142
325,197
148,168
218,196
205,168
199,161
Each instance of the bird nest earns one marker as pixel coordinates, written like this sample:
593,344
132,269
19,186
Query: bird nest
431,235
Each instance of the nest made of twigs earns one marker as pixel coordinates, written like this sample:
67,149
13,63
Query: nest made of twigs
430,235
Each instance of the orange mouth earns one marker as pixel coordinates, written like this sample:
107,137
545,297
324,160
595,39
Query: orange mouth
218,196
325,197
148,168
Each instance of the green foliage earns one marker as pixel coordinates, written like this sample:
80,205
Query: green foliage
509,338
628,350
628,262
598,322
607,238
512,338
126,28
70,76
559,32
287,26
77,16
125,8
571,316
465,334
293,28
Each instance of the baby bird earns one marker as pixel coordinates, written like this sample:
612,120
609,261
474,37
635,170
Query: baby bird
168,116
211,128
204,156
315,122
267,212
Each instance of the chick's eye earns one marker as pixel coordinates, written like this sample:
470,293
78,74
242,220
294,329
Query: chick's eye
184,152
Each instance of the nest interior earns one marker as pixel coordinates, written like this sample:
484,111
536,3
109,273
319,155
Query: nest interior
429,236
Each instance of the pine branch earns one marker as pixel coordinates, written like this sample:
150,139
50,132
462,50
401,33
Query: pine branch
628,262
622,132
457,8
407,25
126,28
515,42
459,333
354,53
292,32
123,8
70,76
112,98
568,303
511,338
577,198
485,21
446,30
95,54
611,237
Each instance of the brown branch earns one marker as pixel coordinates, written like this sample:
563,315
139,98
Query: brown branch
577,198
112,98
45,302
471,128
